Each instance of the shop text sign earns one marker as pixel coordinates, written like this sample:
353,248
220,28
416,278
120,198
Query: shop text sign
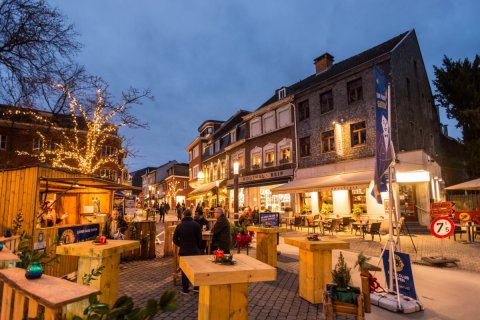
266,175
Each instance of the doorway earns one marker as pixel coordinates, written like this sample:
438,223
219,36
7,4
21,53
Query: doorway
408,202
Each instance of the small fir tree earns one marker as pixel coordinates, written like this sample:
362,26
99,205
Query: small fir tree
341,274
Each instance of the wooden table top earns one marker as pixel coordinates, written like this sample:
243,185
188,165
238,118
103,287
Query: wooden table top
304,243
2,238
201,271
6,255
49,291
266,230
89,249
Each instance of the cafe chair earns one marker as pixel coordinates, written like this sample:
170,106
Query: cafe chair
458,230
374,229
311,223
298,222
346,223
334,226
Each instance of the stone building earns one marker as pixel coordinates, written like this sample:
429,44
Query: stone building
335,113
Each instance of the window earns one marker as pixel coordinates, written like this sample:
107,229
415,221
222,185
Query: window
328,141
107,151
303,110
282,93
284,116
354,89
269,122
358,133
222,170
326,102
269,157
108,174
37,145
217,145
3,142
304,146
195,172
255,127
233,136
256,160
285,155
195,151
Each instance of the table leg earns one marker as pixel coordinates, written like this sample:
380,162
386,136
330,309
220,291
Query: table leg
267,248
314,274
107,282
223,302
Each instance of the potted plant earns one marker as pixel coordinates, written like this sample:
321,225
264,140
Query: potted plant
357,211
341,298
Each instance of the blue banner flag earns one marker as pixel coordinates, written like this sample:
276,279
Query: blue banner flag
406,286
384,147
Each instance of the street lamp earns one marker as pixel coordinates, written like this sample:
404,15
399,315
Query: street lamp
236,166
217,183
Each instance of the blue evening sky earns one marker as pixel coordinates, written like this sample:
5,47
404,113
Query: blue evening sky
206,59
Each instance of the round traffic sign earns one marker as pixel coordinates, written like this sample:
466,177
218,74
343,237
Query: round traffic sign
442,227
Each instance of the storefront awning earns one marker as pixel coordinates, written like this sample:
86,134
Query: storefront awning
352,180
84,182
204,188
468,185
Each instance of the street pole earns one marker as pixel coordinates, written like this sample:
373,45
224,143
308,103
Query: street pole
217,183
236,166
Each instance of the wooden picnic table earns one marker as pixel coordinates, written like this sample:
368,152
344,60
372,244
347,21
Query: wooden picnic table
93,255
21,294
315,265
267,243
224,288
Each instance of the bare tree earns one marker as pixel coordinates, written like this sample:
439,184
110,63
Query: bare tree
37,47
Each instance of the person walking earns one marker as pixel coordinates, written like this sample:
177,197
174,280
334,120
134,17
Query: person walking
179,211
187,236
161,210
221,232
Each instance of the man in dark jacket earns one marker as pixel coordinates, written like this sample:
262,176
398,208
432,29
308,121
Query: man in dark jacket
221,232
115,226
187,236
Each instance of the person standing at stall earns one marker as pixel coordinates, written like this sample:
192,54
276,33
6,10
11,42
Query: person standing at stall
115,226
187,236
221,232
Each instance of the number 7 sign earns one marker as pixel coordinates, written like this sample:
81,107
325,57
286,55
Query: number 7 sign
442,227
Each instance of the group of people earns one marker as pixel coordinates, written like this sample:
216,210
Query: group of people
188,236
249,216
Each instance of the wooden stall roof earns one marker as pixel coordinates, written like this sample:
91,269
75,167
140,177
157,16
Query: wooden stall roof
85,182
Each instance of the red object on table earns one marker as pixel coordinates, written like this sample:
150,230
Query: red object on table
102,239
219,253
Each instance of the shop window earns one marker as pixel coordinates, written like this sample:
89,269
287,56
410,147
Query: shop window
303,110
255,127
284,116
304,146
355,91
358,133
328,141
359,199
326,102
256,160
269,122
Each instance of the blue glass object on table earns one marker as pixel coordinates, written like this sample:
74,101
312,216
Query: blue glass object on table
7,234
34,271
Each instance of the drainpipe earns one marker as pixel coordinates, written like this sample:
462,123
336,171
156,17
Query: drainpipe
296,149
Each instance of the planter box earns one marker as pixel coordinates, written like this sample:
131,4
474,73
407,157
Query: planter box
332,308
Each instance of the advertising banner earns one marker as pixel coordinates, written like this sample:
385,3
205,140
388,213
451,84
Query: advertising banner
406,285
78,233
271,217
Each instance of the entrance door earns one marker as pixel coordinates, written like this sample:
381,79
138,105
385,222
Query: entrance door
408,203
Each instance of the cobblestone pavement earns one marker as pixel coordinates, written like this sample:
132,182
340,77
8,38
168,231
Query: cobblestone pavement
279,299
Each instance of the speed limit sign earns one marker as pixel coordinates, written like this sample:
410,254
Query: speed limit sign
442,227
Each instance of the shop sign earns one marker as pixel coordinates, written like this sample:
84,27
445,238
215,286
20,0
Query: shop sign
271,217
361,186
406,285
78,233
266,175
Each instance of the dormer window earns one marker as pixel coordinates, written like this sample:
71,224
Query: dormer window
282,93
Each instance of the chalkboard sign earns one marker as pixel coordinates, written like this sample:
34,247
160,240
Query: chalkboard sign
271,217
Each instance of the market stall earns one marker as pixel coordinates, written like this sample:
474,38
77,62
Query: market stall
57,207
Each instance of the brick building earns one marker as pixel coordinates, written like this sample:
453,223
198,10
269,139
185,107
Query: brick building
20,141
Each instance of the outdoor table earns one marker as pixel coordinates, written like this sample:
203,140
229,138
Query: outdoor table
50,292
224,288
93,255
315,265
7,258
207,236
267,243
362,226
471,230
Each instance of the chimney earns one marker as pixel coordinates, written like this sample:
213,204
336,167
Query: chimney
323,62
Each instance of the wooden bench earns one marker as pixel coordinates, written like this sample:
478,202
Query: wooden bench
27,298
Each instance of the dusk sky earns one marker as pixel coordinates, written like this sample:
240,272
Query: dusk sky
207,59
